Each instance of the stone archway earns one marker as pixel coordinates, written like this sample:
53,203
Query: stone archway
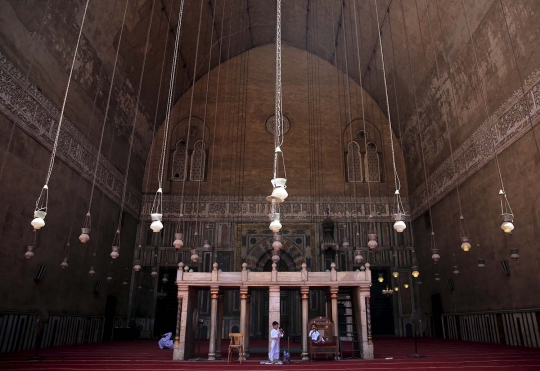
290,255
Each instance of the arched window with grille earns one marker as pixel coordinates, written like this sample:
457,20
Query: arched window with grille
198,162
354,163
372,163
179,162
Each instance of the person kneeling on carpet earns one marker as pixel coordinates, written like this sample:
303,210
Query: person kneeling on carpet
165,342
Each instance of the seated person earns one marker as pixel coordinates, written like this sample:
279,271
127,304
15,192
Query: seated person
165,342
315,335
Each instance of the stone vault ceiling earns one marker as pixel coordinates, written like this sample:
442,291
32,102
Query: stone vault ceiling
325,28
322,27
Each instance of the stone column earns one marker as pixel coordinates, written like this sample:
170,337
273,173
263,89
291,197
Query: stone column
177,335
333,295
183,297
243,327
248,325
213,324
305,295
219,325
274,308
367,342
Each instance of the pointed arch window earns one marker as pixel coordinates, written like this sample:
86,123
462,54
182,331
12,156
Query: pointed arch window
179,163
372,163
354,162
198,162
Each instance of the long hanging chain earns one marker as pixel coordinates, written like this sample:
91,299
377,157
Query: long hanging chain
87,223
399,204
42,201
169,100
157,205
278,110
136,116
505,205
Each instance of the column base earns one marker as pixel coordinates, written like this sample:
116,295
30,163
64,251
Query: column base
367,351
246,354
211,357
305,356
177,354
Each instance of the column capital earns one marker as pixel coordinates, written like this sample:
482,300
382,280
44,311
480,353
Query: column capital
305,292
243,292
274,288
214,291
334,292
183,292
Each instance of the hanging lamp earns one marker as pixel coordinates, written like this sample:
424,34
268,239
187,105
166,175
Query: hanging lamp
434,250
178,242
116,245
137,261
194,256
506,213
372,243
85,230
277,244
29,254
465,244
381,278
41,208
345,244
358,257
67,250
415,273
514,254
157,212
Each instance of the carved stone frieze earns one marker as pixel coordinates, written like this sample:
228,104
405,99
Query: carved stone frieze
513,119
256,208
30,110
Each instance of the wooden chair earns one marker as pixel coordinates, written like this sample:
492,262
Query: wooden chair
237,342
326,330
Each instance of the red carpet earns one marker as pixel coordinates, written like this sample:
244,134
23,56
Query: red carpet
145,355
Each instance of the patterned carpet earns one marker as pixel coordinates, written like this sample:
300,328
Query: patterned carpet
390,354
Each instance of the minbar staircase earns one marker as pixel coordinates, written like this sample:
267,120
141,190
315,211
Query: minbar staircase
349,338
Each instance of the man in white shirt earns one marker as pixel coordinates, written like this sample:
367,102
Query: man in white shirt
315,335
276,335
165,342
